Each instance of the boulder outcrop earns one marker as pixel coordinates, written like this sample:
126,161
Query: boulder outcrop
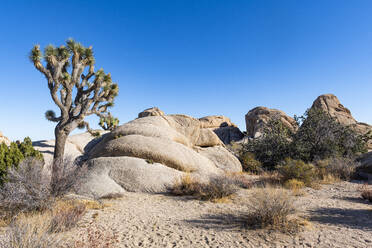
154,111
223,127
256,120
150,153
4,139
331,105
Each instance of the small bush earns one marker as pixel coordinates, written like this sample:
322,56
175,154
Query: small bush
294,184
271,208
337,167
270,178
250,163
65,215
367,194
26,189
218,187
71,172
299,170
185,186
12,156
273,146
240,179
31,232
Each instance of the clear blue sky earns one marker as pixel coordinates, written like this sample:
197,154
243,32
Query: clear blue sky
200,57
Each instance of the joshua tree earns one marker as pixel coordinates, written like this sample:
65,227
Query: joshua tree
78,91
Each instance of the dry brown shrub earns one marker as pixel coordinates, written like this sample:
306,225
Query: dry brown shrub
65,215
240,179
31,231
270,178
27,189
335,169
218,187
273,208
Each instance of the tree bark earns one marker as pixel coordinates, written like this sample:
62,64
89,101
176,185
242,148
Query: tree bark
59,150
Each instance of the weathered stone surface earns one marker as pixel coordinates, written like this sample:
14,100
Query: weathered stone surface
223,127
154,111
222,158
257,119
126,174
330,104
215,121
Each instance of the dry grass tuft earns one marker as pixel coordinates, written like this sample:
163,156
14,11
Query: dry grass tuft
112,196
295,186
273,208
65,215
31,231
270,178
218,187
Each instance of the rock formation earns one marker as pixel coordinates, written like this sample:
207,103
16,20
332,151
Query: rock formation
223,127
149,154
4,139
257,119
330,104
154,111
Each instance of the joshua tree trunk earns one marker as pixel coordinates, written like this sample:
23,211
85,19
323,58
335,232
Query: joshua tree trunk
59,151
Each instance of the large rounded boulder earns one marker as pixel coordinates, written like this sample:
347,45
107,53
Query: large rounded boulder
150,153
257,119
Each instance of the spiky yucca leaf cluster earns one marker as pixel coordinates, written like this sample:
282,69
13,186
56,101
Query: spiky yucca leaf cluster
95,90
108,122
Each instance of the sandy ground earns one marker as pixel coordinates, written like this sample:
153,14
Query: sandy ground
338,217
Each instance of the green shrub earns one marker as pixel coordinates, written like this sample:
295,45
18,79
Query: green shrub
250,163
273,146
336,167
299,170
11,156
319,136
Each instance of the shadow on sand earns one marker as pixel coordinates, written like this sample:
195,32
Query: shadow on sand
350,218
221,222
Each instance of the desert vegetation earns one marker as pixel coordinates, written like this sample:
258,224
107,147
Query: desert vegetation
95,93
321,150
216,188
12,156
273,208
